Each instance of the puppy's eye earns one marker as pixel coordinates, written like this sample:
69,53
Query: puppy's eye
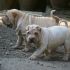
28,32
36,33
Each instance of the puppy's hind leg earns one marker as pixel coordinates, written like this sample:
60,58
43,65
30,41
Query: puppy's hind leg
67,48
66,54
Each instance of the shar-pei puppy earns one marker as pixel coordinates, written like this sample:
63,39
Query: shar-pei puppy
19,20
47,39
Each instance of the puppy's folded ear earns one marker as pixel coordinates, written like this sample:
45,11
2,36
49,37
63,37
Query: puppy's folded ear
38,28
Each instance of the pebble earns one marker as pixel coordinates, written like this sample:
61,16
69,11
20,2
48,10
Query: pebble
7,52
40,63
0,37
11,44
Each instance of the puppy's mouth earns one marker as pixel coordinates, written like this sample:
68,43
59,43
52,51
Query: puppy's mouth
32,45
32,41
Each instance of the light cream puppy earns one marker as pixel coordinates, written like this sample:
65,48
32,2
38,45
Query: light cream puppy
48,38
19,20
63,23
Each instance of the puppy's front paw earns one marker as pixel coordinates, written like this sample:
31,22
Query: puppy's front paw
16,47
32,57
25,50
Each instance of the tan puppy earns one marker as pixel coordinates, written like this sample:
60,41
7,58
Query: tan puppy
19,20
48,39
63,23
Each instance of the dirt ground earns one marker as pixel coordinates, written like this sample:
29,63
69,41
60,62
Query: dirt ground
11,59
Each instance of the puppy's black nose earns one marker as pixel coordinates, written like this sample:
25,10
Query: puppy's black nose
32,40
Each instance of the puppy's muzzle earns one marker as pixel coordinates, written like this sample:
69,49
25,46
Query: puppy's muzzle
6,21
32,40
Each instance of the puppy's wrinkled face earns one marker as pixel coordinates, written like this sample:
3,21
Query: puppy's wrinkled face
33,34
9,18
7,21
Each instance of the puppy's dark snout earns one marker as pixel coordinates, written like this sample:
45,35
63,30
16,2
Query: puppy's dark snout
32,40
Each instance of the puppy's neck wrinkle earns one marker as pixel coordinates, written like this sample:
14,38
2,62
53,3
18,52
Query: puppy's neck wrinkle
16,19
49,33
15,22
44,36
39,44
26,19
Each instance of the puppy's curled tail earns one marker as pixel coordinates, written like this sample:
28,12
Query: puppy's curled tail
55,17
66,24
51,13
